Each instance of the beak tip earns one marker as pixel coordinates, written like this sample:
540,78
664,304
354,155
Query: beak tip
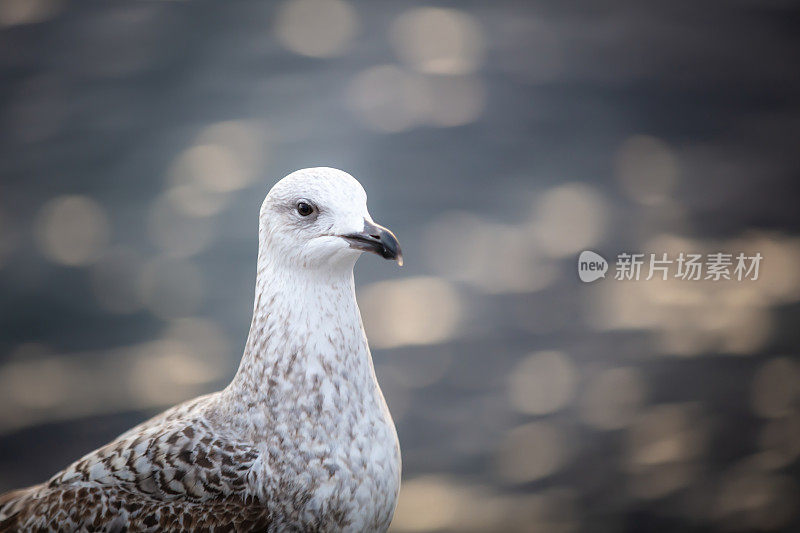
378,240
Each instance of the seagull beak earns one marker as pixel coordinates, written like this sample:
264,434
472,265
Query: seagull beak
378,240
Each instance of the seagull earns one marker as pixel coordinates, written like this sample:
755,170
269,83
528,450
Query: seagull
300,440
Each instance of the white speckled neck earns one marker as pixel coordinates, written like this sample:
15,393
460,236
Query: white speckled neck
306,393
306,336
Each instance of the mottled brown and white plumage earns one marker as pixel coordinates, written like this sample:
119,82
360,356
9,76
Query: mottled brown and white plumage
301,439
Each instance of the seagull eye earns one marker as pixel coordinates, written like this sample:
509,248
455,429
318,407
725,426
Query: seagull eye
304,209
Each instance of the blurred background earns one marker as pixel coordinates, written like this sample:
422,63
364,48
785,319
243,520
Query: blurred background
498,140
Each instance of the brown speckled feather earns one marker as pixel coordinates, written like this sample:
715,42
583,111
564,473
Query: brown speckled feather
171,473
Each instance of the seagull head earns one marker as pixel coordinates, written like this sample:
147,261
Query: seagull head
317,218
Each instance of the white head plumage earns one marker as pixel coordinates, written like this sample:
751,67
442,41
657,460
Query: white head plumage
318,217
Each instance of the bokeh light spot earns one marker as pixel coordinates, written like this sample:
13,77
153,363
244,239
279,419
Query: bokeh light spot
212,167
410,311
543,382
32,377
531,452
72,230
13,12
500,258
438,41
246,142
390,99
416,510
387,99
316,28
568,219
664,445
666,433
751,500
169,368
612,399
454,100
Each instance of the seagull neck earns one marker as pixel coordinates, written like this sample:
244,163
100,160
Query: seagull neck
306,329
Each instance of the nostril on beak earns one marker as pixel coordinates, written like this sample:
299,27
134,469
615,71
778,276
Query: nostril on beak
372,229
376,239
